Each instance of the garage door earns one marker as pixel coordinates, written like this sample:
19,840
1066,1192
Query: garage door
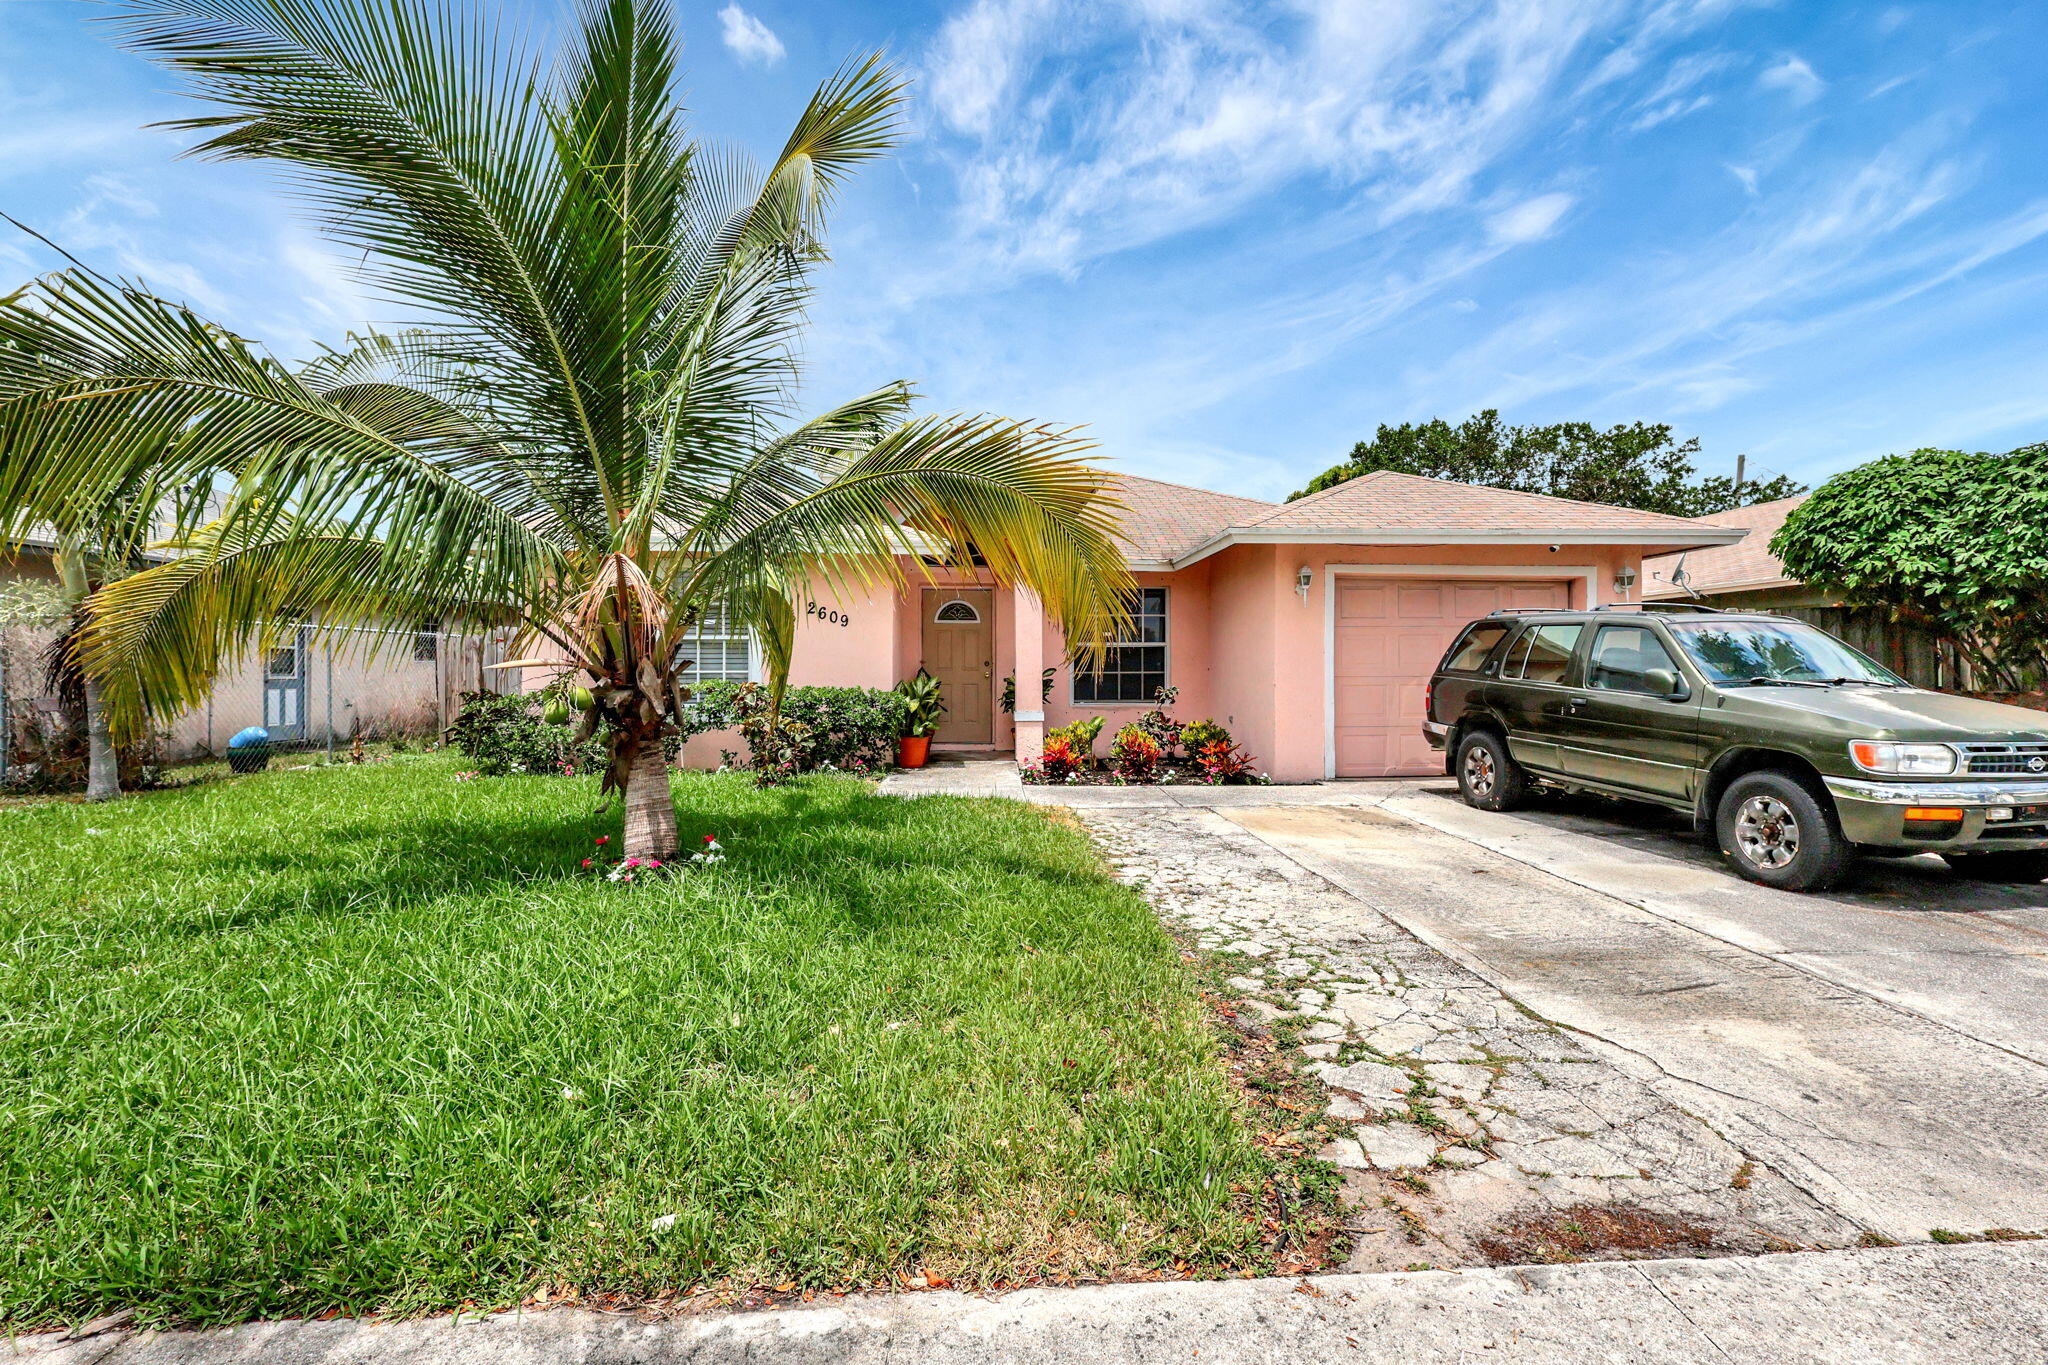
1389,634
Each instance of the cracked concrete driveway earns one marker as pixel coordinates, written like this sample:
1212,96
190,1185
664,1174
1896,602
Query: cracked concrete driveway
1971,955
1881,1048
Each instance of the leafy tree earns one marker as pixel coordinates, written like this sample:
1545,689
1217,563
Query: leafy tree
584,427
1954,542
1634,465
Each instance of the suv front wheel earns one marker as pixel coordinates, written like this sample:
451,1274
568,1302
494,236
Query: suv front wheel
1488,776
1776,831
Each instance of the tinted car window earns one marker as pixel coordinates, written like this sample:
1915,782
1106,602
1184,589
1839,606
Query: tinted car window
1743,651
1622,655
1543,654
1478,642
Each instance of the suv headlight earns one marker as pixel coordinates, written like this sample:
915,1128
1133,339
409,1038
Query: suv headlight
1903,760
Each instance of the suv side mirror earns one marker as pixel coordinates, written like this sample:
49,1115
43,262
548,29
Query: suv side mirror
1662,682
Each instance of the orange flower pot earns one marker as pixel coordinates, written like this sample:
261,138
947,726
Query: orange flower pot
913,750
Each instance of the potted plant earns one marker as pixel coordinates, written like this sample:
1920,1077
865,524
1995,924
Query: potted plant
922,707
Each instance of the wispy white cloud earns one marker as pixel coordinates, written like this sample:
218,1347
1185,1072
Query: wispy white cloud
1687,334
1531,220
115,191
36,145
107,225
1077,129
749,38
1234,206
1791,75
1678,93
1707,388
979,56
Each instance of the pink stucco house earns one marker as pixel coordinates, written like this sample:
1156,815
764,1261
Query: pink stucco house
1308,628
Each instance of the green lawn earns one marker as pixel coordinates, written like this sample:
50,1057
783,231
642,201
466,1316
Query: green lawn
363,1039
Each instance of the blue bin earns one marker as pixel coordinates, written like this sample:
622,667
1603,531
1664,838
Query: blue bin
249,750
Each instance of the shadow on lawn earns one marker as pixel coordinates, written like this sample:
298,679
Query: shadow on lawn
833,842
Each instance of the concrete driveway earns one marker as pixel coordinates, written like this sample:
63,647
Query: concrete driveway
1971,955
1885,1046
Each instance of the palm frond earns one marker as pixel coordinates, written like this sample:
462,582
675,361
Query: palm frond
100,385
770,618
414,131
1019,499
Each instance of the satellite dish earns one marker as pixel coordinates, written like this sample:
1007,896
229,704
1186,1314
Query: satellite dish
1679,578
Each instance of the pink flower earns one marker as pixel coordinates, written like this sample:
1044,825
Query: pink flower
654,862
586,862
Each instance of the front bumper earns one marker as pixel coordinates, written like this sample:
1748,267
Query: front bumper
1874,813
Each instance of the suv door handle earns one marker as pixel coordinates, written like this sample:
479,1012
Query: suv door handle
1576,702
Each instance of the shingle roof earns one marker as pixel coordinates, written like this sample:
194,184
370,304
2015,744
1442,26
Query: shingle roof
1748,563
1163,521
1170,521
1385,500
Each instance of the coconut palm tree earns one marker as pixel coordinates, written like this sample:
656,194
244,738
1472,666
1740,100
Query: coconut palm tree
583,425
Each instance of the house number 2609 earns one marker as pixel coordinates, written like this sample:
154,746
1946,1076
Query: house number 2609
837,618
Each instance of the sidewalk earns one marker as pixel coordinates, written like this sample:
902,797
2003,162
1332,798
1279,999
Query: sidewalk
1986,1304
956,774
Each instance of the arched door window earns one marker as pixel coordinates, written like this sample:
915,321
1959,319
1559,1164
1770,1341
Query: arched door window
957,612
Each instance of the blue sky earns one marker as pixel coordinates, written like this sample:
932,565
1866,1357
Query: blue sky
1232,239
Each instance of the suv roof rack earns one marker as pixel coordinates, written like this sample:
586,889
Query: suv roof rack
1659,606
1617,606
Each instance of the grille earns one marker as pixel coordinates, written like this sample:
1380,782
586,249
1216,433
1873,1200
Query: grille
2012,760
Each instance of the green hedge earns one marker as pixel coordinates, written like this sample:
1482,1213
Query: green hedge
505,734
851,729
847,729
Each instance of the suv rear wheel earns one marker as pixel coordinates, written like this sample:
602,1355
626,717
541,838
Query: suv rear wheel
2004,865
1488,776
1776,831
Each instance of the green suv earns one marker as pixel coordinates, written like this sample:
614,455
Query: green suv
1791,749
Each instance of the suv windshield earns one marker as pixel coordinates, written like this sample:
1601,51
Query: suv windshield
1774,651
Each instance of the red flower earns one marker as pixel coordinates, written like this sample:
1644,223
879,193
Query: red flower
586,862
604,838
711,838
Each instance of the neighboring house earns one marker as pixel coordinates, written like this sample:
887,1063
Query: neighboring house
1746,576
1308,628
309,693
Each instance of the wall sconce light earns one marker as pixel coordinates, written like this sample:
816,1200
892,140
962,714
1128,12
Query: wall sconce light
1623,581
1302,578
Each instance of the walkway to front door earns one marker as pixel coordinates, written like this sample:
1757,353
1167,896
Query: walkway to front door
959,652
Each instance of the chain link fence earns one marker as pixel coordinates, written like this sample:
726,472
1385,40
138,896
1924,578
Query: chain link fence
321,691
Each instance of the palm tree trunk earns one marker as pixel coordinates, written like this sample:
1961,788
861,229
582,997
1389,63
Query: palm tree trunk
102,764
650,803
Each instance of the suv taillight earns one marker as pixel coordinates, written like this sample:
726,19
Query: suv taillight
1429,700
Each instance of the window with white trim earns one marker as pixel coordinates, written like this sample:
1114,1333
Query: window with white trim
1134,666
720,650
